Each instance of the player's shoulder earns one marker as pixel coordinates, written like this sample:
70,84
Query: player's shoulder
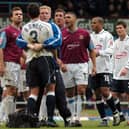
127,38
107,33
37,22
7,28
83,31
53,24
37,25
44,23
26,25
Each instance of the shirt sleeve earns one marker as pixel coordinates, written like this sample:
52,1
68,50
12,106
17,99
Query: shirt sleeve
127,64
56,40
91,45
21,42
109,47
3,39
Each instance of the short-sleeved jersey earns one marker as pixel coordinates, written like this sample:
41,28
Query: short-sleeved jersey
12,52
103,42
120,58
36,31
74,46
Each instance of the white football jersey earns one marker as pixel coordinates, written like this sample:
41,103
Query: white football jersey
36,31
120,58
103,42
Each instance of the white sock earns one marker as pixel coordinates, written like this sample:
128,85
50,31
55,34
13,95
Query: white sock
43,109
79,107
33,97
9,106
2,110
71,106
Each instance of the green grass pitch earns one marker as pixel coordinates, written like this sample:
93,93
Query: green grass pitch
86,125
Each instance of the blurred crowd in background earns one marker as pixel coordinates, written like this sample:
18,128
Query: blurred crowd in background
83,8
87,8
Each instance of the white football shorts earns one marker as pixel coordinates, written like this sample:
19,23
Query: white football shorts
76,74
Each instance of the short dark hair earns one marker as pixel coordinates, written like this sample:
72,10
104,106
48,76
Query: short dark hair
99,19
33,10
121,23
14,9
72,13
60,10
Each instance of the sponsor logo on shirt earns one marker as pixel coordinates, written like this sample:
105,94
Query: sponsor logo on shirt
111,42
15,34
64,38
101,40
98,47
72,46
121,55
81,37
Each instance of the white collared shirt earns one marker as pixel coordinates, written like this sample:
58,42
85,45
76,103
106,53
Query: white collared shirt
120,57
103,42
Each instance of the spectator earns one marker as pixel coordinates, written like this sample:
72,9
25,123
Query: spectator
126,12
112,11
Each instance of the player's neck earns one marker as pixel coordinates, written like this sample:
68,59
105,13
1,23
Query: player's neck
35,19
17,26
61,26
72,29
98,30
122,37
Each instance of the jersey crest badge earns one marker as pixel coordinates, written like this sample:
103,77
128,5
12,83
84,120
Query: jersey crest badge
81,37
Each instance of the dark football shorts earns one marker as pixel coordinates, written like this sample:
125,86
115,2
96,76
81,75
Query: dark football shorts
99,80
120,86
40,71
